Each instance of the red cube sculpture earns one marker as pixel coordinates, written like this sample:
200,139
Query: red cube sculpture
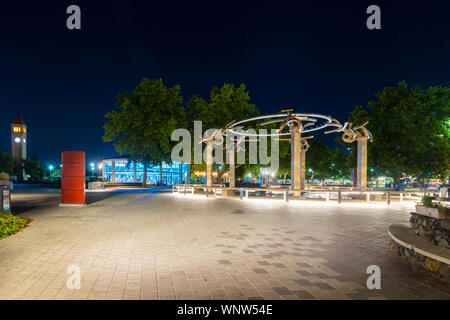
72,177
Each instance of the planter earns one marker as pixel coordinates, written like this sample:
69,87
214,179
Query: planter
437,213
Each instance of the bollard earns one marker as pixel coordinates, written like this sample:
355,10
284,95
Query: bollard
388,198
207,191
241,193
286,196
368,197
327,197
401,197
339,196
246,194
193,190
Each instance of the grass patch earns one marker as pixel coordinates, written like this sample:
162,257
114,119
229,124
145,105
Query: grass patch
10,224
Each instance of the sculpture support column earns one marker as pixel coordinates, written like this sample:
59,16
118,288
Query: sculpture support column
295,158
113,171
362,164
302,166
231,174
298,160
209,164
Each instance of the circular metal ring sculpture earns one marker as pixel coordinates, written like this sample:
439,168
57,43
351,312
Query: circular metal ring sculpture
286,119
298,124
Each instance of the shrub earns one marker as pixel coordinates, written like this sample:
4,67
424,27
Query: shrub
427,201
10,224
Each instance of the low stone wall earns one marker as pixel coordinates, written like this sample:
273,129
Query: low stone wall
431,229
417,261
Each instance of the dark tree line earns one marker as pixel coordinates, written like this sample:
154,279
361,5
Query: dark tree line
31,166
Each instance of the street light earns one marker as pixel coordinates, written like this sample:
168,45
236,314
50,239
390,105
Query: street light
92,168
312,174
50,168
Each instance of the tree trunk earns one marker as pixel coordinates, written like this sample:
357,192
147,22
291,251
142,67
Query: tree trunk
160,173
144,179
284,178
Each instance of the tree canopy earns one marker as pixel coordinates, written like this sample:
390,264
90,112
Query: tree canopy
224,105
34,169
6,163
144,120
31,166
411,130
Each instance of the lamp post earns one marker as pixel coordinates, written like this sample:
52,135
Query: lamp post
100,167
92,168
50,168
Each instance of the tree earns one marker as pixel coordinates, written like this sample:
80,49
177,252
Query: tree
340,167
285,160
6,163
411,131
143,124
224,105
318,159
34,169
325,163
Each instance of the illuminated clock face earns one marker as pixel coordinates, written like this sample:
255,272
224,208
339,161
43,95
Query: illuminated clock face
17,140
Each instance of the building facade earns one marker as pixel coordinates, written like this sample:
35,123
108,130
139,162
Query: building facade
18,139
121,170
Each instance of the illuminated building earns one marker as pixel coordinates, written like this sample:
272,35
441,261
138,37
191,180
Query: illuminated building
121,170
19,139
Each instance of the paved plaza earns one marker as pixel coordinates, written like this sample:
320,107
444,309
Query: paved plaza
158,245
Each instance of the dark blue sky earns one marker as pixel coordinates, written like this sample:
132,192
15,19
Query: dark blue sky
313,56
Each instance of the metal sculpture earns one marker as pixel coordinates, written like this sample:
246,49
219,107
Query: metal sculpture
362,135
297,125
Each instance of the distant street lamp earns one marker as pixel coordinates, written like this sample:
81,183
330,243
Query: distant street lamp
312,174
50,168
92,168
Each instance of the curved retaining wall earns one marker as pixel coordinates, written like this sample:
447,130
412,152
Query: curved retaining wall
420,253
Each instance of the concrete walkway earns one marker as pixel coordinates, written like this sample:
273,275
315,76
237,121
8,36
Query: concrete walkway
165,246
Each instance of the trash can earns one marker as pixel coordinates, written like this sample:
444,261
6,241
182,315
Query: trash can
5,198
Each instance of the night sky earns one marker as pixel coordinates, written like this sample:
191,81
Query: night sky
313,56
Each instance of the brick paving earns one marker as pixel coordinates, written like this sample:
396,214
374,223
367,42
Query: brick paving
165,246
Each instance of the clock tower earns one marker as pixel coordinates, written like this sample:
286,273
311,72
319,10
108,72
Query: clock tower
19,139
